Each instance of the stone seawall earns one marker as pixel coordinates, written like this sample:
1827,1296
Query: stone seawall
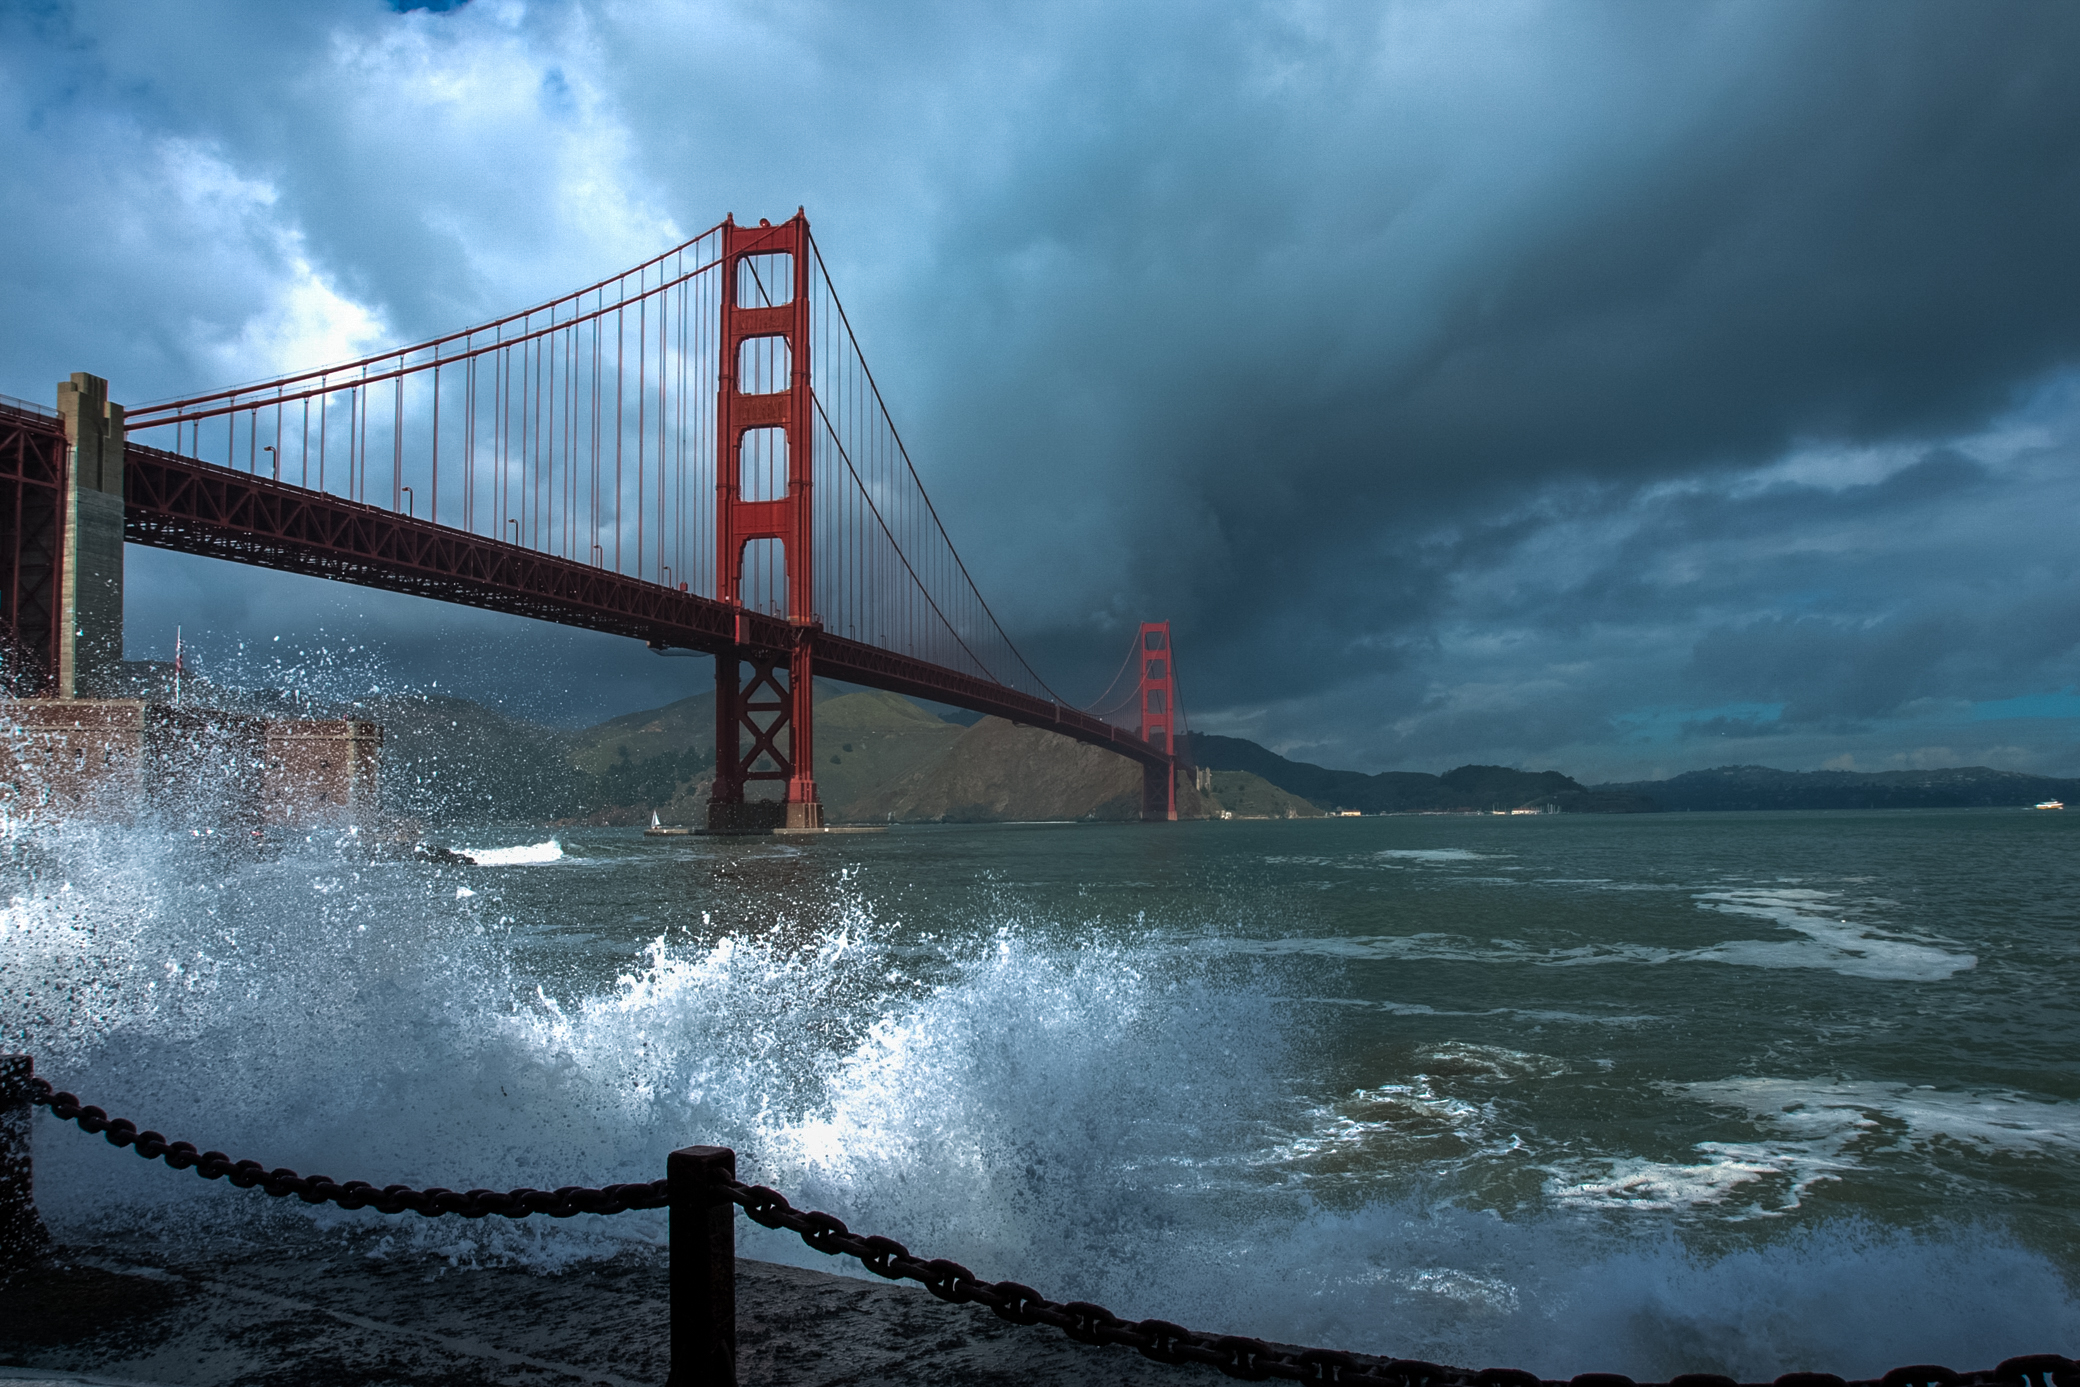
324,1308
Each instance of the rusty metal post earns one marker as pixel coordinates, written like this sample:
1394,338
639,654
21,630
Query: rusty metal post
703,1244
22,1235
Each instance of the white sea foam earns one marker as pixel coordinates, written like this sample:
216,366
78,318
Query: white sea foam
1442,1111
1402,1122
525,855
1736,1180
1885,1114
1831,942
1810,1133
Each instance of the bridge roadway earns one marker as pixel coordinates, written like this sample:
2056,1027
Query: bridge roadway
175,502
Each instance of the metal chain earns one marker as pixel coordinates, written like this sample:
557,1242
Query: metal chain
1234,1354
1258,1361
353,1194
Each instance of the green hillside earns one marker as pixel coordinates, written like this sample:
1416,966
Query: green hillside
1248,796
995,772
667,732
663,759
448,759
1760,787
868,740
1469,789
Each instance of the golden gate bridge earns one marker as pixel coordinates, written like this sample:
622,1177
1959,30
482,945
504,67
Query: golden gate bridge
692,453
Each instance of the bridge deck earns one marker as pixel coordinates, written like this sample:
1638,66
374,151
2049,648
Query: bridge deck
178,503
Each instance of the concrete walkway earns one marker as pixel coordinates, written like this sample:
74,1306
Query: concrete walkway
259,1316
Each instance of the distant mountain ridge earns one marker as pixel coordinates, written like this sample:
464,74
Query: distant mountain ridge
1469,789
1760,787
881,757
1477,788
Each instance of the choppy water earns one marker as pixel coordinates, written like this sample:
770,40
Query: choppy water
1647,1094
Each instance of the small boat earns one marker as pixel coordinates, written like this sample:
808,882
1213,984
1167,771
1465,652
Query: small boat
658,830
2049,804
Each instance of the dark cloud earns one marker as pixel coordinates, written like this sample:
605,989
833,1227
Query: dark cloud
1843,228
1466,382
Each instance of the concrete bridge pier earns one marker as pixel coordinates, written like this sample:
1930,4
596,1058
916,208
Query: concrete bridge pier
90,590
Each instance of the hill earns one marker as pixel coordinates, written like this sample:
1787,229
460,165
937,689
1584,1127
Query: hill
1469,789
663,759
448,759
670,731
1248,796
868,741
883,758
995,772
1760,787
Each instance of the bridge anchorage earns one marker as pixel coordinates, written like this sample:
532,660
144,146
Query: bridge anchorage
692,453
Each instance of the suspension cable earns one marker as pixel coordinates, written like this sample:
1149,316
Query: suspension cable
911,467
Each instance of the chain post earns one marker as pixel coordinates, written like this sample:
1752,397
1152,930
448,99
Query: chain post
703,1244
22,1235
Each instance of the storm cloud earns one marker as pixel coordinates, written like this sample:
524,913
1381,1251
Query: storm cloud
1622,387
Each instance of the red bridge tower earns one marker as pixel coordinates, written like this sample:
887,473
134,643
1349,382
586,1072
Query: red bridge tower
765,346
1158,720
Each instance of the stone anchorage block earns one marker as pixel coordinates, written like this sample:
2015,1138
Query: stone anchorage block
119,758
125,758
322,771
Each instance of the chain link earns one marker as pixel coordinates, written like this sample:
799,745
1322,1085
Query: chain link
353,1194
1253,1360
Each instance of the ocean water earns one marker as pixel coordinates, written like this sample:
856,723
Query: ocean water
1742,1093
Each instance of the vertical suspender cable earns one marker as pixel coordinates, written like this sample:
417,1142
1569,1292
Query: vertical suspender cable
663,526
397,444
523,402
618,360
469,446
642,413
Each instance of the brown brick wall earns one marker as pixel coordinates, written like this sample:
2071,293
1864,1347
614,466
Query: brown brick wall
115,758
322,771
